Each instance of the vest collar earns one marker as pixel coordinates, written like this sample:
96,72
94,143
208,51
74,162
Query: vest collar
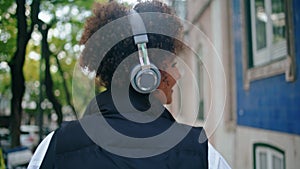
140,102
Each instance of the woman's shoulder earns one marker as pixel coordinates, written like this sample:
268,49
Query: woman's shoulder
67,133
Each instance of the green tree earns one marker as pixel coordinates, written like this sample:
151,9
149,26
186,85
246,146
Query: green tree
16,63
7,46
19,19
58,47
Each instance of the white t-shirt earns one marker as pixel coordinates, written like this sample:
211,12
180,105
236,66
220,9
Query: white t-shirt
215,159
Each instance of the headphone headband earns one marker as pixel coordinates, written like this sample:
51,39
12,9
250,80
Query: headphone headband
138,28
145,77
140,37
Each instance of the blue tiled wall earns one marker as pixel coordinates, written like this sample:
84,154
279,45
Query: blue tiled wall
270,103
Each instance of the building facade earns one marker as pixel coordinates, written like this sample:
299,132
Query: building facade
245,62
267,59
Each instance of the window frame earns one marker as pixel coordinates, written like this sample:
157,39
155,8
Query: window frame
270,151
285,65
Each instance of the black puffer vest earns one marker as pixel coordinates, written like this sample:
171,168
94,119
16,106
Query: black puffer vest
75,149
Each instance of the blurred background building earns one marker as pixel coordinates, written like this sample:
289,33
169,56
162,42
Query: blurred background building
257,125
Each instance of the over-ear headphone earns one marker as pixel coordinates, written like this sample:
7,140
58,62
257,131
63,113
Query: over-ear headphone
144,77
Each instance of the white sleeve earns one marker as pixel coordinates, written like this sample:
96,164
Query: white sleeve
215,159
40,152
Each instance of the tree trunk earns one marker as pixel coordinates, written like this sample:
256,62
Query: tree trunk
68,97
16,67
17,77
43,28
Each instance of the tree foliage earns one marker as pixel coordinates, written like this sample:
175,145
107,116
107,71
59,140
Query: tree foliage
21,52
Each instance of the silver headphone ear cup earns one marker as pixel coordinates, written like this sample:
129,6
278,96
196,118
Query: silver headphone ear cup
158,76
145,81
133,74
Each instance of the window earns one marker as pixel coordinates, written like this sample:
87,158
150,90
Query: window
268,157
269,40
268,31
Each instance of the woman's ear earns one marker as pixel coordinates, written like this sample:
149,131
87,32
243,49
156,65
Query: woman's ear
164,80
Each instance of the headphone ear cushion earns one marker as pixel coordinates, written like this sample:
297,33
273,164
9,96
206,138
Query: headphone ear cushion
145,81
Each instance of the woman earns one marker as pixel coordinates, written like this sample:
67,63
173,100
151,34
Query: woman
126,126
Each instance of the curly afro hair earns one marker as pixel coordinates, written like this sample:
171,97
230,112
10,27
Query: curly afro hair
108,12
